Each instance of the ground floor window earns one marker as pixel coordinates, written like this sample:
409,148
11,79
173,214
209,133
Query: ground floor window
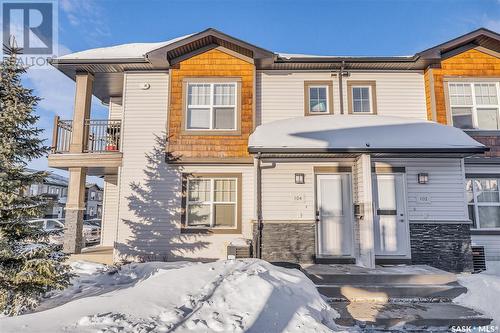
483,202
211,201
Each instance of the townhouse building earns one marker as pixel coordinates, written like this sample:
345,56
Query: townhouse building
211,140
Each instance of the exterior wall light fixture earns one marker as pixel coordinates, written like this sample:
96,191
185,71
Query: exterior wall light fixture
423,178
299,178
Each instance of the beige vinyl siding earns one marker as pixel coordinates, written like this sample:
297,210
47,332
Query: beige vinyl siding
445,189
150,189
110,210
279,189
280,94
115,108
143,224
400,94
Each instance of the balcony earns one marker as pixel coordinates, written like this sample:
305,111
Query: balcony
100,152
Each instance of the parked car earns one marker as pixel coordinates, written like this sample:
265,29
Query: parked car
91,232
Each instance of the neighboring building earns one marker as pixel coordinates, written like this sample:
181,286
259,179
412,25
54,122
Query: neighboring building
314,158
463,90
55,189
93,199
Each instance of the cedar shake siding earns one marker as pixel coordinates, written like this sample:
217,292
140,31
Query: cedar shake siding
472,63
216,147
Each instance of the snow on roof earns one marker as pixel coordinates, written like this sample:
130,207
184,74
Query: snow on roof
122,51
330,133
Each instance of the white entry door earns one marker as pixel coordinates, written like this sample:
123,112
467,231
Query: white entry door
390,222
334,211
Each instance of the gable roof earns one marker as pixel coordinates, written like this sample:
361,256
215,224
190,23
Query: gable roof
109,63
481,37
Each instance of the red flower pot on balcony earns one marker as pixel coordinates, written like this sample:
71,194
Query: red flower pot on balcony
111,148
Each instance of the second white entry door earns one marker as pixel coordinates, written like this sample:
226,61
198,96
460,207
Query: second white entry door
390,222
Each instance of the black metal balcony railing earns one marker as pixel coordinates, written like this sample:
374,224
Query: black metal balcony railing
101,135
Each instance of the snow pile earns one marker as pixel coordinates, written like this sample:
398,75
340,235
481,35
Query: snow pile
352,132
224,296
483,291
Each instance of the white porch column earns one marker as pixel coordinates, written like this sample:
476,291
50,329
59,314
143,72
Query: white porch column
366,255
75,204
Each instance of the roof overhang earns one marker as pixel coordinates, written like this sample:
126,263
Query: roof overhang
382,136
478,38
172,54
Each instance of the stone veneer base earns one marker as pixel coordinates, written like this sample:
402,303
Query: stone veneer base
445,246
288,241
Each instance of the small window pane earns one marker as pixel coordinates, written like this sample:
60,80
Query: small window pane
462,117
224,94
460,94
198,118
313,93
198,94
225,215
198,215
199,190
318,105
487,190
224,118
487,119
489,216
486,93
225,190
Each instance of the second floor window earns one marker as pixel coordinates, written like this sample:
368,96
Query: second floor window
361,99
318,100
475,105
211,106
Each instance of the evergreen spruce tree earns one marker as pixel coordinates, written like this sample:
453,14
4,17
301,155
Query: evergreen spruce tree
29,265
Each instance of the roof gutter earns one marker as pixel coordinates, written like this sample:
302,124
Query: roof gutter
469,150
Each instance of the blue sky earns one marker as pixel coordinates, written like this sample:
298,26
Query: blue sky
386,27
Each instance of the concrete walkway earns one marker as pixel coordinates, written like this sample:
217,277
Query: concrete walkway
408,297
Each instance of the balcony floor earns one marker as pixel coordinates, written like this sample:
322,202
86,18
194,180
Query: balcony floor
97,164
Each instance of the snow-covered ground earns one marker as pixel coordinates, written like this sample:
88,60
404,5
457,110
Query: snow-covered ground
483,292
224,296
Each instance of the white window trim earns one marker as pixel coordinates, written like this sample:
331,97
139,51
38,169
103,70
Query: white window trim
370,98
212,203
212,106
327,99
476,204
474,105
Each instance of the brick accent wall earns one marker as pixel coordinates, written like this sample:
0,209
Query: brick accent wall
492,141
290,242
471,63
213,63
445,246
